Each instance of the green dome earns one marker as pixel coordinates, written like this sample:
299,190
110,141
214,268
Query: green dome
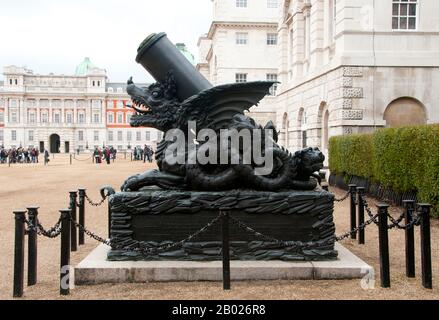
185,52
84,67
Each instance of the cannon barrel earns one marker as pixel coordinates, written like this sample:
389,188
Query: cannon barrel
158,55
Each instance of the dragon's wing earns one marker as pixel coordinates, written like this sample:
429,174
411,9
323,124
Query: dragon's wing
215,107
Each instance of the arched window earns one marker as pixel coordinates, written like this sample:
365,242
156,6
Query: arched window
285,125
405,111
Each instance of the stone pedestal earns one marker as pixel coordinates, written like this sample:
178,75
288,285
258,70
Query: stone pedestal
156,217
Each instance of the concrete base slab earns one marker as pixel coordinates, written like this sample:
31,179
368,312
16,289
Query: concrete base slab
95,269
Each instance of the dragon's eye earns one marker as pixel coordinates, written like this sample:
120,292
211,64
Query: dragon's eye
156,94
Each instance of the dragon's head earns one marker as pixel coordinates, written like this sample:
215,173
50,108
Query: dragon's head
155,105
310,160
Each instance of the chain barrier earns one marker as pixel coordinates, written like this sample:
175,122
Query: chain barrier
52,233
143,247
282,243
395,223
88,159
344,197
95,204
355,230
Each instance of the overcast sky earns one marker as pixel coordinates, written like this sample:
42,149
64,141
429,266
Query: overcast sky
55,35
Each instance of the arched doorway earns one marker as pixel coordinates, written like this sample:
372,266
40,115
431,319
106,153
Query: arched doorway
55,143
405,112
301,125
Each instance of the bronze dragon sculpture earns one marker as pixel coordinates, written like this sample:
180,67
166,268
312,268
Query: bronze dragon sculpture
216,108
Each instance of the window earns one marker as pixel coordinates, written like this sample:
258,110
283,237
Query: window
14,135
96,104
16,82
32,118
138,135
110,90
44,117
241,77
120,104
2,117
119,136
128,117
81,118
96,135
119,90
31,135
404,14
148,136
69,118
129,136
56,118
14,118
272,39
241,37
99,83
96,118
81,135
272,77
272,4
110,118
241,3
10,82
159,135
1,135
110,104
120,118
94,83
110,135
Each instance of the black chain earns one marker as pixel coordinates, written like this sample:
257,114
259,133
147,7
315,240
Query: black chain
414,221
282,243
95,204
344,197
88,159
52,233
355,230
142,247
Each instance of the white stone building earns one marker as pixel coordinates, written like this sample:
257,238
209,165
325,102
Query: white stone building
345,66
352,66
242,45
63,113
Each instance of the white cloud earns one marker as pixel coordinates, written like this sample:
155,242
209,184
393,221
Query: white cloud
55,35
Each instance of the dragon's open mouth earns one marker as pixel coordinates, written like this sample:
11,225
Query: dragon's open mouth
139,106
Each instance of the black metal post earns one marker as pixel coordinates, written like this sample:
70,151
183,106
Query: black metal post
131,156
81,203
361,232
426,246
73,236
409,206
109,218
70,159
19,253
64,280
353,191
32,247
383,245
226,250
325,186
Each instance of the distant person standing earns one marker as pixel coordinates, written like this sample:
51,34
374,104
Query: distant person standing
46,157
107,154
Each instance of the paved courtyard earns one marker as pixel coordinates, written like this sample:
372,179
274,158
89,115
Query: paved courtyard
47,187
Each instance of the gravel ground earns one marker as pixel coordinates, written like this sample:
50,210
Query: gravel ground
25,185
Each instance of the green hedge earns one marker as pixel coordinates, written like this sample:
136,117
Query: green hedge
404,159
